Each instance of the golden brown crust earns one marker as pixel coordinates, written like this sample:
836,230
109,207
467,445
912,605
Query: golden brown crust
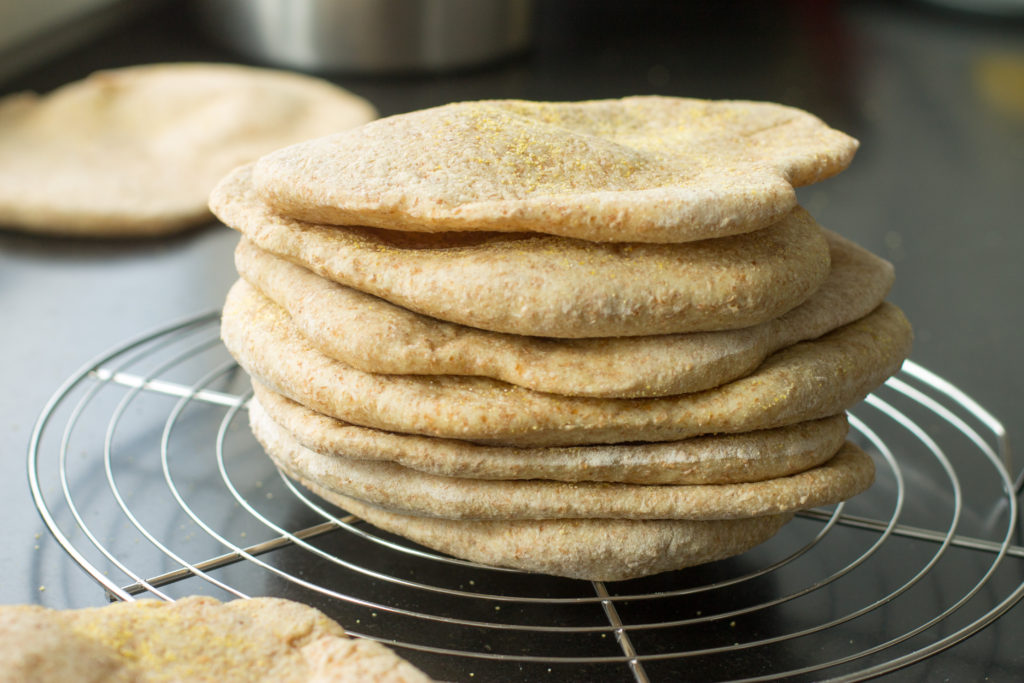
136,151
640,169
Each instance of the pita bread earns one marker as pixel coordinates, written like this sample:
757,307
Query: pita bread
641,169
372,335
807,381
401,489
136,151
588,549
193,639
720,459
29,639
550,286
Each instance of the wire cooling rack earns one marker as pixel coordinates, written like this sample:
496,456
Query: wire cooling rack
143,468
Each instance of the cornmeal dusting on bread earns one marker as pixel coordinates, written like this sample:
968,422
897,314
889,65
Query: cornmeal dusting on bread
194,639
641,169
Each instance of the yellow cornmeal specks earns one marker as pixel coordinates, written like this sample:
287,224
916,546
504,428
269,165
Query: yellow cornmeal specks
196,639
688,169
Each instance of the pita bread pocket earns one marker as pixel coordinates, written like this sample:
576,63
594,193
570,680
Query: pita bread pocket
640,169
375,336
806,381
550,286
136,151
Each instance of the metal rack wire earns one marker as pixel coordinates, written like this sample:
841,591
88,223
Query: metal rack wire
143,468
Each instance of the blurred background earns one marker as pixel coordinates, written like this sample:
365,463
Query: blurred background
933,90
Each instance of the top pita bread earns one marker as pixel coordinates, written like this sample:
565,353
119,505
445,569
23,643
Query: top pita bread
640,169
193,639
136,151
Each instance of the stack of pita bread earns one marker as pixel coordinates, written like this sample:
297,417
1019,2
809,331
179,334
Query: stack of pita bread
596,339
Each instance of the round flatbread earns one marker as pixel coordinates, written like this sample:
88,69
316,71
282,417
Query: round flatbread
408,491
136,151
375,336
589,549
549,286
718,459
640,169
806,381
192,639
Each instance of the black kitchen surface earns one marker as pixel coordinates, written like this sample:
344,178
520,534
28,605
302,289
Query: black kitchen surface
169,475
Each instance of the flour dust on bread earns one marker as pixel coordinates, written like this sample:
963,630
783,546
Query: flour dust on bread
638,169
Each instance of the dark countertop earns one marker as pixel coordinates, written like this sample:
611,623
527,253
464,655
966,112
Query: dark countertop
935,97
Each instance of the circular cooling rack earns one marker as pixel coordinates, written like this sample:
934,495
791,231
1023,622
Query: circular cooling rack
143,467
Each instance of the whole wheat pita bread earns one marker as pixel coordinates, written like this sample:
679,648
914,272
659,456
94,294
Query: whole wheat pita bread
806,381
641,169
588,549
719,459
550,286
375,336
408,491
136,151
193,639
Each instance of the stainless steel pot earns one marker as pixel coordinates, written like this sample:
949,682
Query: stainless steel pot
370,36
